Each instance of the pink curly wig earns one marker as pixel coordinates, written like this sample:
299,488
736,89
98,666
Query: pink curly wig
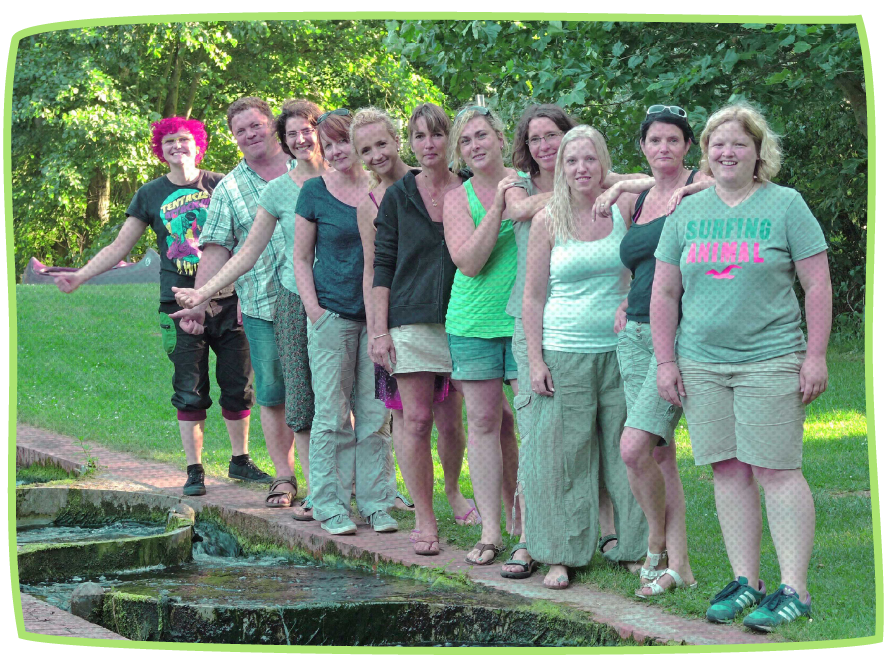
165,126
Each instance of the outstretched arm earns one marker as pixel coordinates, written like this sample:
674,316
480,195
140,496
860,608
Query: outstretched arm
234,266
107,258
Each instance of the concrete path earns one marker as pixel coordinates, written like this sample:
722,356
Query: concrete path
242,507
43,619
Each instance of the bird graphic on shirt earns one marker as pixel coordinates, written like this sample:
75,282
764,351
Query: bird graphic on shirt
725,273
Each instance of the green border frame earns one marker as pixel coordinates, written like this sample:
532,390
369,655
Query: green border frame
641,650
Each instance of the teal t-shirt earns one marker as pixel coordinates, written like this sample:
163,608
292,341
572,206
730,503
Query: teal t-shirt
737,266
279,198
477,308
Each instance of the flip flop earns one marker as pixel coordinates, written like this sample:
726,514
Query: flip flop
481,547
562,582
430,540
306,504
468,519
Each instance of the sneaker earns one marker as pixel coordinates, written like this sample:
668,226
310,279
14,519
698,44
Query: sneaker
248,472
194,485
733,599
339,525
382,522
782,606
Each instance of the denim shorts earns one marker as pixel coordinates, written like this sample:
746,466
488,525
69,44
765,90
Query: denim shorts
752,411
267,370
646,410
482,358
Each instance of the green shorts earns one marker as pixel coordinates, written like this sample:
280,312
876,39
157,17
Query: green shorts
752,412
646,410
482,358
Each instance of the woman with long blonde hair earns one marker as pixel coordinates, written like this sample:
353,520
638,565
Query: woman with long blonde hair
575,281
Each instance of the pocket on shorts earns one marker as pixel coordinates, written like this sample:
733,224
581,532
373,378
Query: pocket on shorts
321,320
168,332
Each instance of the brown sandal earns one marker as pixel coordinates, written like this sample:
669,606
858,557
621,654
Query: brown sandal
289,495
425,545
481,547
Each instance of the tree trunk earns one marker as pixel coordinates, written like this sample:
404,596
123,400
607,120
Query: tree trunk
98,198
853,89
172,100
192,91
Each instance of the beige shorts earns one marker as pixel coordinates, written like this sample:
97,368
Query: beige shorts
421,348
752,412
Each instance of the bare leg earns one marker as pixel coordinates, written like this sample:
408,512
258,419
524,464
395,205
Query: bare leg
674,513
647,483
791,513
740,515
451,448
192,434
238,432
520,554
301,438
412,446
279,443
606,515
509,448
484,408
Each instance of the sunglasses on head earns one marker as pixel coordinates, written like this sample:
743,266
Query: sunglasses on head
660,108
482,110
335,112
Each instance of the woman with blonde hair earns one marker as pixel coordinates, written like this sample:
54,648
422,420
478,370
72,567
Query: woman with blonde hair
741,367
329,265
482,245
575,281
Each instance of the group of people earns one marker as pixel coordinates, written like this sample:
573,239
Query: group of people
360,301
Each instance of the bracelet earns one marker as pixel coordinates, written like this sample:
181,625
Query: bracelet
672,361
380,336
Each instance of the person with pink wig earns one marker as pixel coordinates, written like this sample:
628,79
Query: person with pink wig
175,207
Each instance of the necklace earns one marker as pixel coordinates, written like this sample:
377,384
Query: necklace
429,189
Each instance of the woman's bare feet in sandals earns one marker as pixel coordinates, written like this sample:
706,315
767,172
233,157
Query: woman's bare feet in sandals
665,581
303,513
632,566
557,577
520,554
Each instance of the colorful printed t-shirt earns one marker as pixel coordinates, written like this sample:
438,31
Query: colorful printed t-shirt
279,198
737,267
177,214
477,308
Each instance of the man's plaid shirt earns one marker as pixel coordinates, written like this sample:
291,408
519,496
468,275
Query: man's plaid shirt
229,219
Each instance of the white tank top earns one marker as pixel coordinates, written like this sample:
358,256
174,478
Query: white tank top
587,282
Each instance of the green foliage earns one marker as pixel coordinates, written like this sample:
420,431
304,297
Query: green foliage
809,80
83,99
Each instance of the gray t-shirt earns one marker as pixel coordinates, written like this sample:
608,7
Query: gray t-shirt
522,231
279,198
737,267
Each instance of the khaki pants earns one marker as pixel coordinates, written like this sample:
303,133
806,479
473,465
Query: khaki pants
337,453
575,438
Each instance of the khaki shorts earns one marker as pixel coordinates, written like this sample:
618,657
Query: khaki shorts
753,412
646,410
421,348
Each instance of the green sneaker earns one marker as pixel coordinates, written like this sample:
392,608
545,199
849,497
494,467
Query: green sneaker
733,599
782,606
339,525
382,522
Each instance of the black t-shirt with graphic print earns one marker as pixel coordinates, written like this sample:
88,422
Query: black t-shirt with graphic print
177,214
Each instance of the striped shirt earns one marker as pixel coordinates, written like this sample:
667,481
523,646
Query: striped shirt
229,219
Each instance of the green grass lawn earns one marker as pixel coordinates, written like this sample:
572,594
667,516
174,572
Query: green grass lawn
90,365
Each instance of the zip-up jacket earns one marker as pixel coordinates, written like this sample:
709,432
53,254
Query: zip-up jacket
411,257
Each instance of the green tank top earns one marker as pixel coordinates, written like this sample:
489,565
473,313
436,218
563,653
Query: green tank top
477,308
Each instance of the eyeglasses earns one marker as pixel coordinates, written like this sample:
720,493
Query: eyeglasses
484,111
549,138
660,108
335,112
306,132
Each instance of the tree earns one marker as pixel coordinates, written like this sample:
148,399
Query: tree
808,79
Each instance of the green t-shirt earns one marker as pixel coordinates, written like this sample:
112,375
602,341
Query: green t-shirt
279,198
477,308
737,266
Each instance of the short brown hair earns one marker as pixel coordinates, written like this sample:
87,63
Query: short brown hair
436,119
336,127
245,104
302,108
521,153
